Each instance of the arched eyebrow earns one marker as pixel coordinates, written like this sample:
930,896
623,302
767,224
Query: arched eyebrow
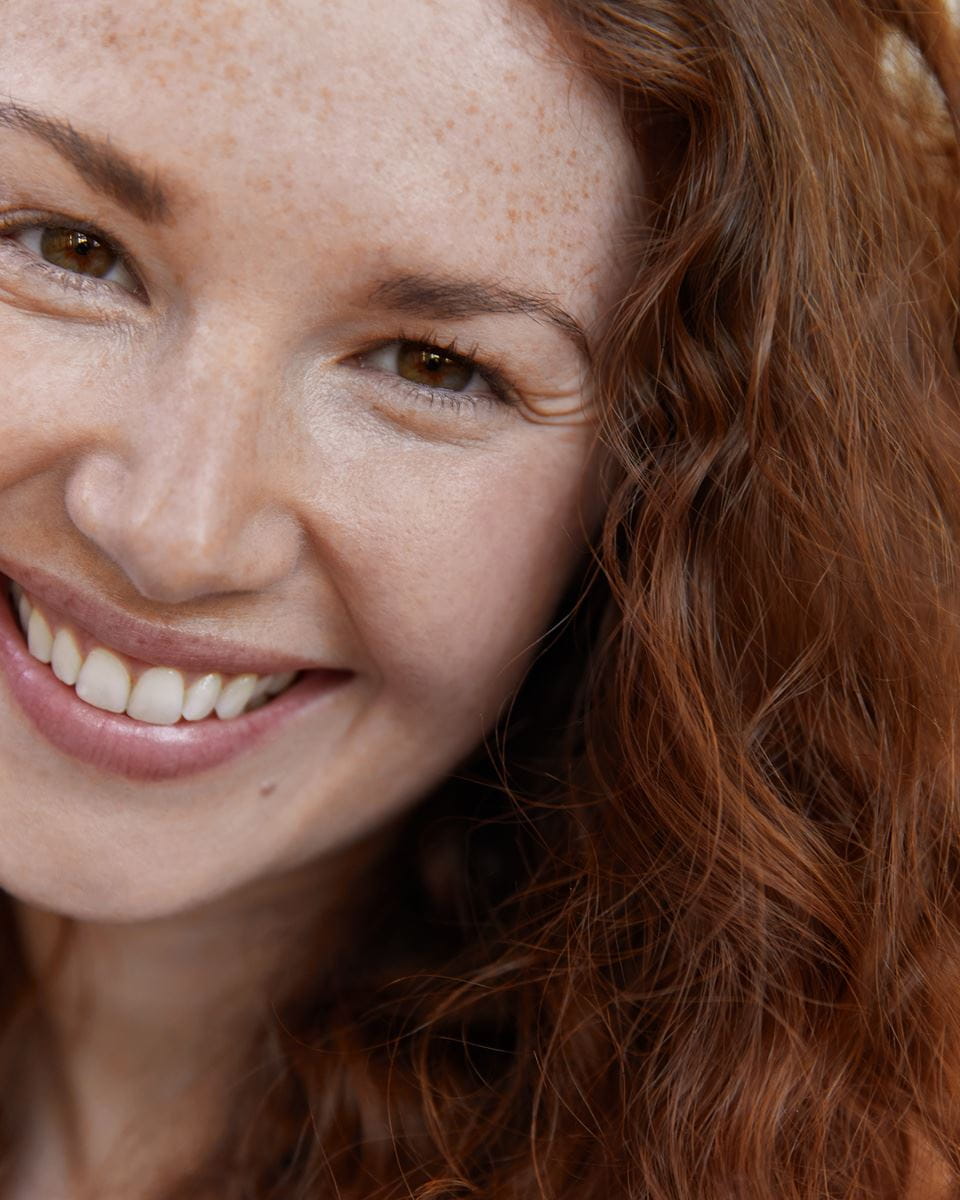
97,161
117,175
440,296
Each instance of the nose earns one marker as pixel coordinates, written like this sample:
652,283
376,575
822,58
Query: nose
184,486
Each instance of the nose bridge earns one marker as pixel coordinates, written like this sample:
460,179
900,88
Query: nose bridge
189,500
208,424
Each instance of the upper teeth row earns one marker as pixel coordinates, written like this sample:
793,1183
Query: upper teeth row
159,696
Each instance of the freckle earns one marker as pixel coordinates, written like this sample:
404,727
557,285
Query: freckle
450,122
572,156
515,168
472,109
513,216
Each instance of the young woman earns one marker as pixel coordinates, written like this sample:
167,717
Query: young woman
479,514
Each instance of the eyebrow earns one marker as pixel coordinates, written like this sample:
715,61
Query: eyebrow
441,296
95,159
141,192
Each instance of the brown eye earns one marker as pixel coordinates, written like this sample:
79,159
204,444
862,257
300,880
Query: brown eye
440,375
77,251
433,367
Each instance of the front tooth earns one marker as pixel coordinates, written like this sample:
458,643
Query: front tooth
157,697
234,697
39,637
104,681
65,658
201,697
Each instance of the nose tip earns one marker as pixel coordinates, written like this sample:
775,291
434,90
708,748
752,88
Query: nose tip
176,542
199,562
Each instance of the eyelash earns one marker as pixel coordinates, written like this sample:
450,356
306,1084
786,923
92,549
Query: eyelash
502,390
85,285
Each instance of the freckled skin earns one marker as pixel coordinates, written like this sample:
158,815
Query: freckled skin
224,462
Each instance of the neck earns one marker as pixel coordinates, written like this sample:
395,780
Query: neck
143,1027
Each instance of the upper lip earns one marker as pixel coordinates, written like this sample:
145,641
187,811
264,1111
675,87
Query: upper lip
146,640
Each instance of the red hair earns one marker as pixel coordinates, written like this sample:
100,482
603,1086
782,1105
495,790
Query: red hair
688,928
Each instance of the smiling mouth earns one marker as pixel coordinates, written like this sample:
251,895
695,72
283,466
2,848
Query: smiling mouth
153,694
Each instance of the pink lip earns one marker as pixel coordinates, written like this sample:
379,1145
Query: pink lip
148,641
130,748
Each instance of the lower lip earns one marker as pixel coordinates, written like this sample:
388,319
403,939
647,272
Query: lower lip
132,749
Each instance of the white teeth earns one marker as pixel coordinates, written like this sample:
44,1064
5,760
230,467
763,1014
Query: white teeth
65,658
157,697
278,682
260,689
202,697
39,637
234,697
23,611
104,681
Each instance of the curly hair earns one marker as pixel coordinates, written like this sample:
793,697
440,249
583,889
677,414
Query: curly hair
688,926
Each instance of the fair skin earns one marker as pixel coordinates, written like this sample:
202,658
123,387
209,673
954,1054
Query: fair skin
217,438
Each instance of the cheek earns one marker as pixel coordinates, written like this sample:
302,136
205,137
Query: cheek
52,393
461,574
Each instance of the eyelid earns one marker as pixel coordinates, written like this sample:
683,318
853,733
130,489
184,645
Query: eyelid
19,221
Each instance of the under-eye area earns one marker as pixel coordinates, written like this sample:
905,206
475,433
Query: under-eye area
155,694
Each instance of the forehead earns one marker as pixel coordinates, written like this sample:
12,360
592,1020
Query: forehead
392,121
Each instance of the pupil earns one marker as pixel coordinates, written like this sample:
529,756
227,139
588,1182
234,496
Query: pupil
421,364
76,251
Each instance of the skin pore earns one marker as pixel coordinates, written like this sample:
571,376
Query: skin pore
217,436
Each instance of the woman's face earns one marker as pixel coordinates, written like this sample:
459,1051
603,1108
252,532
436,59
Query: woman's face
229,229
